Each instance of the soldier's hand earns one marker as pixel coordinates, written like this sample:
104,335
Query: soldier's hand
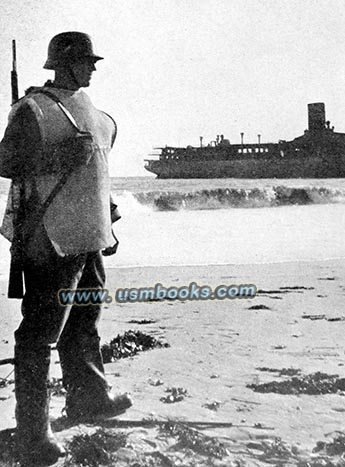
111,250
75,151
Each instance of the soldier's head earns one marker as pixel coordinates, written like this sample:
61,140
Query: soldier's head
72,57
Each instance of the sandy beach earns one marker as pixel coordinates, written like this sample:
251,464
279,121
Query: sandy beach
217,348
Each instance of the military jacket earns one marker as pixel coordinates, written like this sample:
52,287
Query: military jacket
40,144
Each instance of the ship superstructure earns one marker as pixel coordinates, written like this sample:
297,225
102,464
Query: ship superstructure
318,153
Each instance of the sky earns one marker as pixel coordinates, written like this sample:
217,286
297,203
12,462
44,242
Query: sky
175,70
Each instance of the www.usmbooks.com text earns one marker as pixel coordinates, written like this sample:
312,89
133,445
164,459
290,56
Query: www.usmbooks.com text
190,292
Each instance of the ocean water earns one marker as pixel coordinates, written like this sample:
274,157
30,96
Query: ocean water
221,221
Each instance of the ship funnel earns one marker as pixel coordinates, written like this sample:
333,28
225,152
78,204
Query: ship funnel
316,117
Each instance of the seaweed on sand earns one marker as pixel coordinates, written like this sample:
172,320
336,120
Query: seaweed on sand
142,321
188,438
313,384
56,387
176,395
5,382
94,450
333,448
282,372
128,345
328,454
274,451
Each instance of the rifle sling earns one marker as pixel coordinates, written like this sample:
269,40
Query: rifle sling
67,113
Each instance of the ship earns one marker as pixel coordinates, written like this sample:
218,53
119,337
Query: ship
318,153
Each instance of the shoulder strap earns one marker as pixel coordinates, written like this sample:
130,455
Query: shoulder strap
67,113
53,193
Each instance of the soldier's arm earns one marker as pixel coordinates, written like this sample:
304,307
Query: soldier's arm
114,128
21,143
23,153
114,212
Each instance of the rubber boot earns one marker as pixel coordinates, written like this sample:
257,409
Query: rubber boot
35,442
88,397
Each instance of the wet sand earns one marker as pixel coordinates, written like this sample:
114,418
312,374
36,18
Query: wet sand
216,350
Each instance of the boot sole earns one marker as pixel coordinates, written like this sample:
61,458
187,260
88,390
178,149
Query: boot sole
102,415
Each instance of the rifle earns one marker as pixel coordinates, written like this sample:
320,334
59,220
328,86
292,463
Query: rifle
14,76
16,284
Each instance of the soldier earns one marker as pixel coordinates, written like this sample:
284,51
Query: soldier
55,151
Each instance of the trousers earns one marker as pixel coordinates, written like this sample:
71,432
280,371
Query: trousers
74,328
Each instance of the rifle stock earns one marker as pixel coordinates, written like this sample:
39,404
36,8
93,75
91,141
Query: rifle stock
16,282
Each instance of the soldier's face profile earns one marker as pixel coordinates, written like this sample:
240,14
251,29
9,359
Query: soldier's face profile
82,70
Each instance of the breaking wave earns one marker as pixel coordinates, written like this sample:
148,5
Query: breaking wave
223,198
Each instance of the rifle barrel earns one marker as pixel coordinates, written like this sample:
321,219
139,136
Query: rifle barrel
14,55
14,76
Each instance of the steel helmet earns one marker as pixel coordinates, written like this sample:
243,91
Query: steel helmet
68,47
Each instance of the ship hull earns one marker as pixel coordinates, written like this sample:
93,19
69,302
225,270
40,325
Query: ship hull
297,167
